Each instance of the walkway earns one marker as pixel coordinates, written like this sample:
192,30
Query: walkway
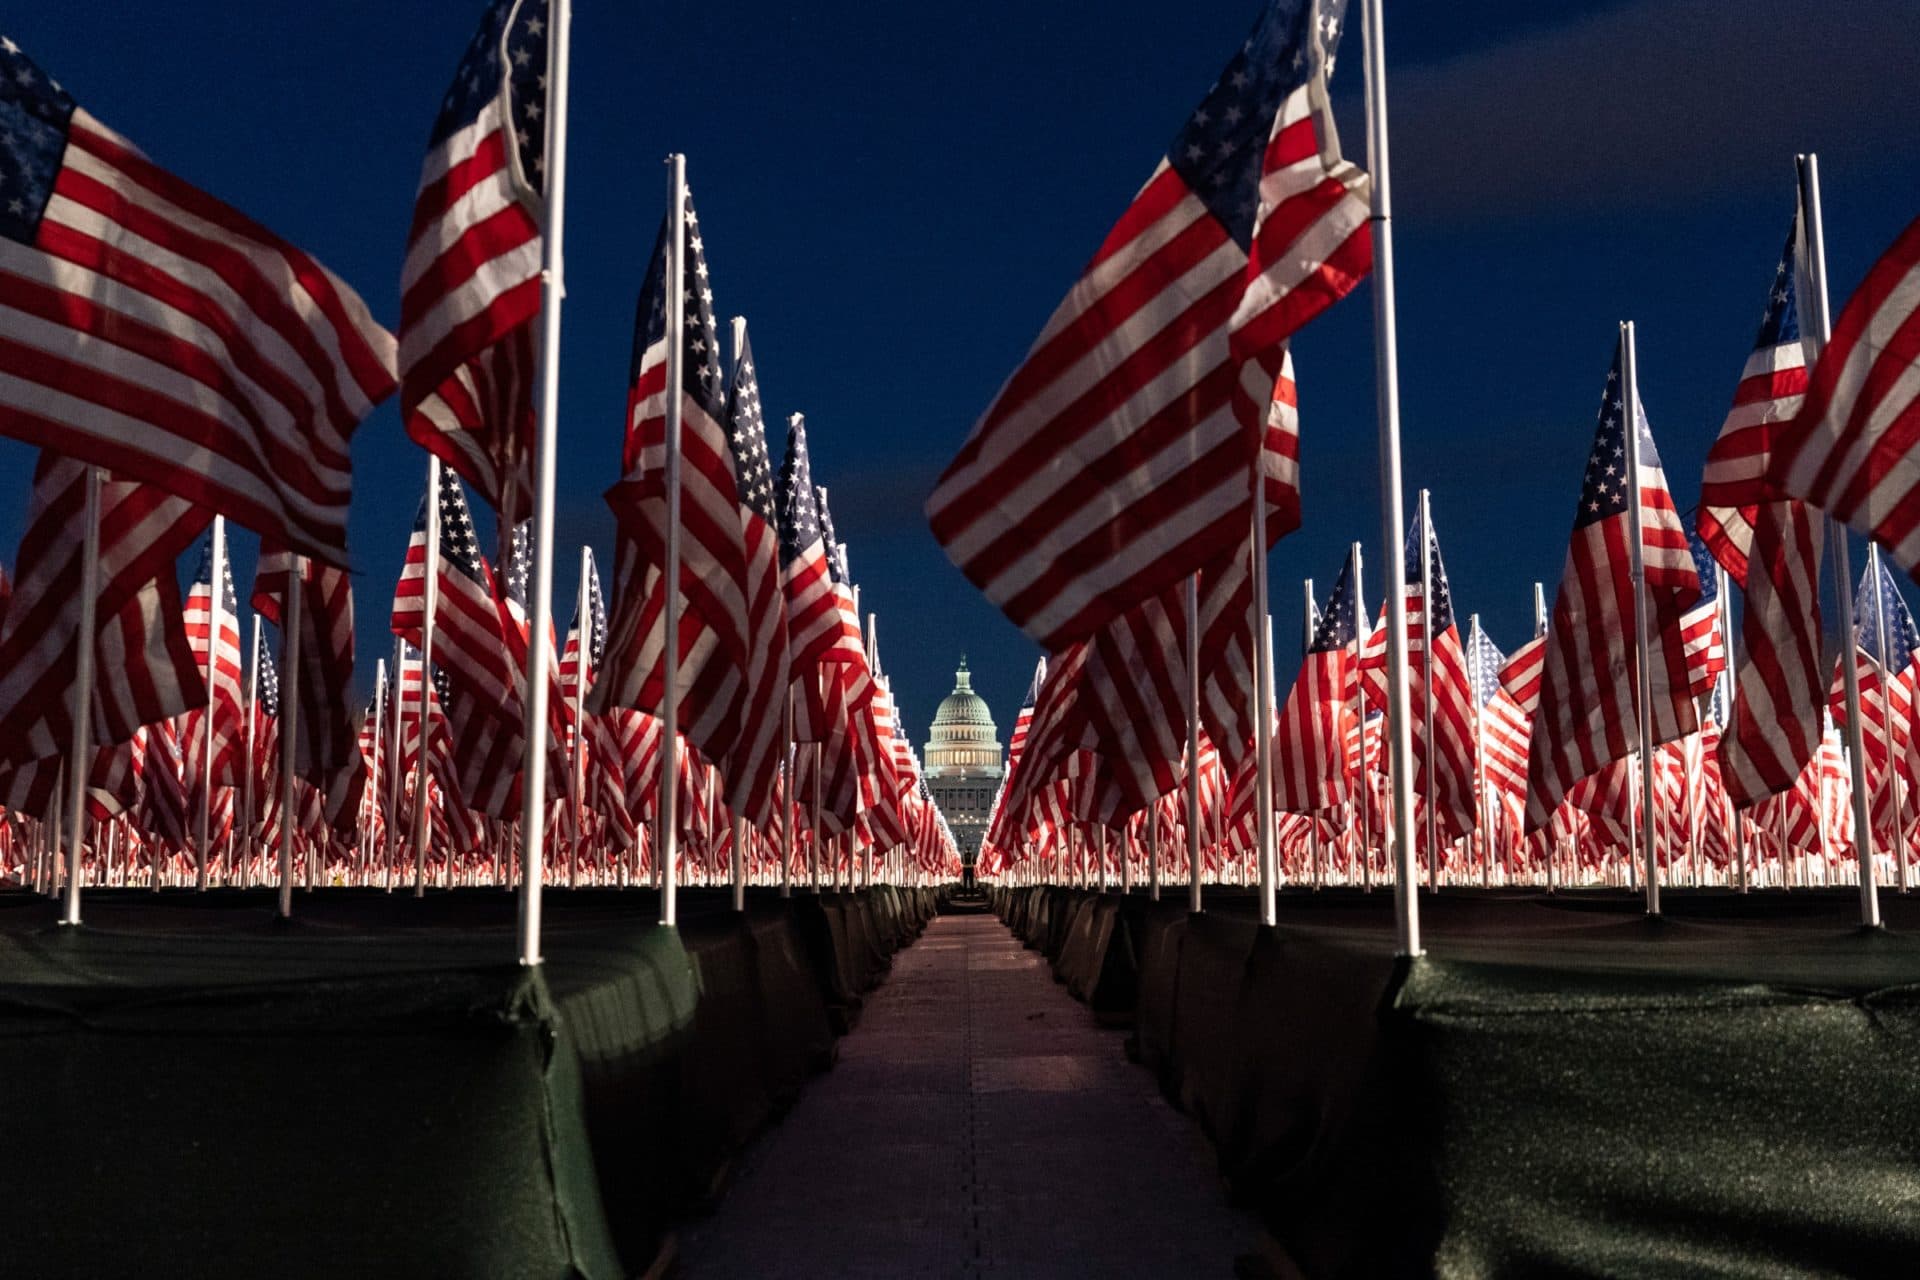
978,1124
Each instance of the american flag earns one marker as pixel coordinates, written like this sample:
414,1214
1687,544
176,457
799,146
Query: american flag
217,763
1309,746
1771,549
1772,386
1700,638
1520,674
1134,699
1114,461
1446,783
603,783
1588,714
848,651
724,494
817,630
1848,449
163,793
1503,725
144,668
212,737
1887,642
470,286
328,745
754,763
150,329
1225,592
467,633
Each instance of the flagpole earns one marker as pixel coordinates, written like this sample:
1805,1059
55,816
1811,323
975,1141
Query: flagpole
1262,697
1483,814
1887,676
252,710
789,804
1386,362
1365,788
379,753
430,598
1642,646
290,602
83,658
1193,743
216,559
1307,619
533,831
577,778
1815,334
667,852
1426,689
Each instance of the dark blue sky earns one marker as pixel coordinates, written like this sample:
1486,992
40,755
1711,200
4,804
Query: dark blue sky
896,196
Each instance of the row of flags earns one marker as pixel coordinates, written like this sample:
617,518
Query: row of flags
180,366
1110,499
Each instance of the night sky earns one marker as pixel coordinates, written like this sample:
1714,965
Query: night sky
896,196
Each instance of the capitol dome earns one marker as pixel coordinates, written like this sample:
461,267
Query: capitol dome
963,739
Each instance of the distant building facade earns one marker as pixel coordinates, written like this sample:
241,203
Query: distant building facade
964,763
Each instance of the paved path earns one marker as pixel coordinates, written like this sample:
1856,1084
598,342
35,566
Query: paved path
978,1124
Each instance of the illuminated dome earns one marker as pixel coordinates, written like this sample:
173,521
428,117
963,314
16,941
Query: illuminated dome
963,739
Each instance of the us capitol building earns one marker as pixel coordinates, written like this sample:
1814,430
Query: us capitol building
964,763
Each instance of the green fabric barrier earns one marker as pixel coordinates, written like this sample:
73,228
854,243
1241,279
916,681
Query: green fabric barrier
255,1105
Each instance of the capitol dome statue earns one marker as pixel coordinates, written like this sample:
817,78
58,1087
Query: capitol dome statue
964,763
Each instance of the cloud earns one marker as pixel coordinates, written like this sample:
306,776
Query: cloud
1651,101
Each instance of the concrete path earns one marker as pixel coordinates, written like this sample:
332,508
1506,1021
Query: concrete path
978,1124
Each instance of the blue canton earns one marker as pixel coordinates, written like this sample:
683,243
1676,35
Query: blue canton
34,113
1704,565
1220,151
507,56
458,545
1483,667
836,551
1337,628
1440,615
1604,488
747,436
701,355
799,513
519,566
1780,322
1881,621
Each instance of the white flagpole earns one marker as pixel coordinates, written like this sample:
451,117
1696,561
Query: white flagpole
533,831
246,841
789,805
1262,698
290,602
1642,646
1551,844
1308,618
577,774
83,658
431,601
1484,810
1193,743
1386,362
1818,326
1153,851
1364,791
380,757
666,856
1730,686
216,599
396,752
1426,689
1887,675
